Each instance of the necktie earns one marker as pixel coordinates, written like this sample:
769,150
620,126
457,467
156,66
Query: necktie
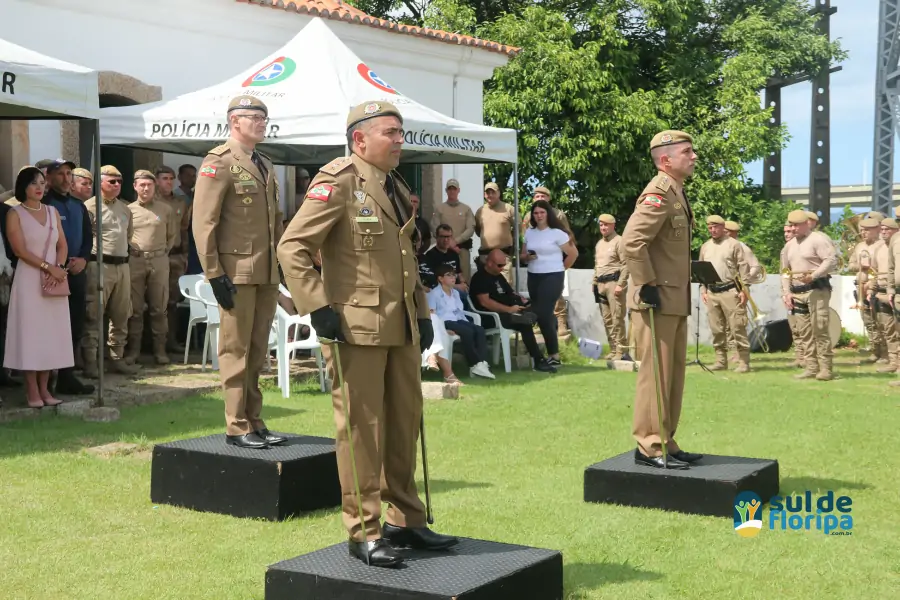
257,160
391,194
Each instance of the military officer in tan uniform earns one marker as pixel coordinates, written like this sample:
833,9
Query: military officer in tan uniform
733,229
813,220
495,224
460,217
236,224
810,256
877,289
165,180
657,243
611,285
370,299
861,260
799,352
726,302
117,229
892,260
82,184
154,228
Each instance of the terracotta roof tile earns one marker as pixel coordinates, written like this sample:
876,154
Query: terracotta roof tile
337,10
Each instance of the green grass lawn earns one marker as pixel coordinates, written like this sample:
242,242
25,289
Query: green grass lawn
507,462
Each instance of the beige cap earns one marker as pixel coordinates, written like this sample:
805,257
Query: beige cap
110,170
870,222
144,174
542,190
874,214
370,110
715,220
732,226
798,216
670,137
490,185
453,183
248,103
812,215
83,173
606,218
891,223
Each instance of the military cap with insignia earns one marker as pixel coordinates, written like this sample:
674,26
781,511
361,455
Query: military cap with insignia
732,226
715,220
248,103
669,138
83,173
877,215
110,171
870,222
606,218
490,185
370,110
798,216
890,223
144,174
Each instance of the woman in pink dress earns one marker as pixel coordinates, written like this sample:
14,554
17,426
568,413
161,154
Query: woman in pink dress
38,329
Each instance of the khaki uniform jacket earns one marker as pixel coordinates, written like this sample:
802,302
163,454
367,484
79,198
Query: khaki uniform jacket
495,225
727,257
118,226
182,216
609,257
657,243
154,226
459,216
370,275
814,253
236,218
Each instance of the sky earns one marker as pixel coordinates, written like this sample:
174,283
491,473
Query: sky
852,105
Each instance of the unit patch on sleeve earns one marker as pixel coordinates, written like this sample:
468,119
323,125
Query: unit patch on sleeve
208,171
320,192
652,200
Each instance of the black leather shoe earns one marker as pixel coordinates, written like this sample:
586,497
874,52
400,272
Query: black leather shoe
657,462
376,553
687,457
248,440
270,437
68,385
417,538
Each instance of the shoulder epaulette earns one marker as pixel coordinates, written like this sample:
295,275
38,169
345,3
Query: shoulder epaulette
219,150
337,165
662,182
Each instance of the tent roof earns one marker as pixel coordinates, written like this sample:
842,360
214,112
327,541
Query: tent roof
34,86
307,110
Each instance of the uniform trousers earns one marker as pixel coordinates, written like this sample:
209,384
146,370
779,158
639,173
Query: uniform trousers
877,341
886,326
812,329
795,337
177,267
465,262
77,307
613,311
116,305
671,341
725,313
150,288
383,391
243,346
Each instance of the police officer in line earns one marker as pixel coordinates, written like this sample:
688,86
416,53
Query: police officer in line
154,229
611,285
117,229
726,301
862,258
799,362
369,297
461,219
657,243
236,224
892,259
82,184
495,224
165,180
879,299
733,230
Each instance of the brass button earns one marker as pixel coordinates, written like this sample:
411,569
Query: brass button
368,231
406,273
404,253
355,301
405,294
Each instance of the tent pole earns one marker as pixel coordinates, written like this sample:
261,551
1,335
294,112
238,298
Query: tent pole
517,228
98,198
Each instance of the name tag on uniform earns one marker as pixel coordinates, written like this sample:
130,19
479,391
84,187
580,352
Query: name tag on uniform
366,219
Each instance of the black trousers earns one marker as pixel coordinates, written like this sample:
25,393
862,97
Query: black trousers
526,331
77,310
474,342
545,289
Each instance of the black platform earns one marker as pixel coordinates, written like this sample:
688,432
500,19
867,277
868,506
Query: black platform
472,570
206,474
707,488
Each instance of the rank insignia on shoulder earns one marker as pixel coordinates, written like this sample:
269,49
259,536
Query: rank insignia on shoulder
652,200
208,171
320,192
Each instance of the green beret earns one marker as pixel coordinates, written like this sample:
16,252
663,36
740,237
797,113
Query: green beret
890,223
798,216
715,220
732,226
370,110
248,103
606,218
670,137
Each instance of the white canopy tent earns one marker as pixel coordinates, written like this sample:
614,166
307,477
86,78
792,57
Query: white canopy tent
34,86
308,111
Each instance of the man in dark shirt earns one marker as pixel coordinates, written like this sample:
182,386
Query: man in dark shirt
491,292
441,254
76,226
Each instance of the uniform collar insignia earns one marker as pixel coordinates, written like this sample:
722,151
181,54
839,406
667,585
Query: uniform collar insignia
360,195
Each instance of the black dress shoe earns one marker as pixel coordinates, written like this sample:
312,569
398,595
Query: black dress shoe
270,437
376,553
687,457
417,538
657,461
248,440
68,385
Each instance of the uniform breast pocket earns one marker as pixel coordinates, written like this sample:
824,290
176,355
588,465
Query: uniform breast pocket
359,307
368,235
679,227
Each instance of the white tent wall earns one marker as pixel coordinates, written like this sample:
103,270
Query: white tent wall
185,46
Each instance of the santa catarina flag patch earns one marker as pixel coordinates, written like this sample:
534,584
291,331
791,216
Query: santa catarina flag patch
652,200
320,192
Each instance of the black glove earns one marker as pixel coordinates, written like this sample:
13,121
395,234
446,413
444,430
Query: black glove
224,291
426,334
649,294
596,293
327,324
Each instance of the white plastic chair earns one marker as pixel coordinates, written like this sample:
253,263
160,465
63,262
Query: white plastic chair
205,293
188,286
503,335
286,348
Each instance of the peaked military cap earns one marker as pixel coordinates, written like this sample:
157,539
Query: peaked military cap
248,103
670,137
715,220
84,173
798,216
606,218
370,110
542,190
110,170
144,174
877,215
490,185
889,222
870,222
732,226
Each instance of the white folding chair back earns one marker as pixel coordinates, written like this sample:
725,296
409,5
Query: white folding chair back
205,293
501,335
286,347
188,286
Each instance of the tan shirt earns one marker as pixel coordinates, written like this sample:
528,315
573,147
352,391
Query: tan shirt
179,207
495,225
893,254
609,257
881,264
459,216
753,265
117,226
154,226
861,259
727,257
813,253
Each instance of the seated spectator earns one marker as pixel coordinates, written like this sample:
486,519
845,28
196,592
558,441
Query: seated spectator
491,292
432,358
445,302
444,254
37,337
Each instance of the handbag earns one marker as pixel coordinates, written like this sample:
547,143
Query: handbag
61,289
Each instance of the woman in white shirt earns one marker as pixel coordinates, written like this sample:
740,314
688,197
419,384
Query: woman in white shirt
545,243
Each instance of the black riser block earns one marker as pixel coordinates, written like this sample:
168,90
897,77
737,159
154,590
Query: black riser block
472,570
707,488
205,474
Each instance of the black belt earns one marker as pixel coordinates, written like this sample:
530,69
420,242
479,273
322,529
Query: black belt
884,307
800,309
466,245
717,289
111,260
609,277
822,283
